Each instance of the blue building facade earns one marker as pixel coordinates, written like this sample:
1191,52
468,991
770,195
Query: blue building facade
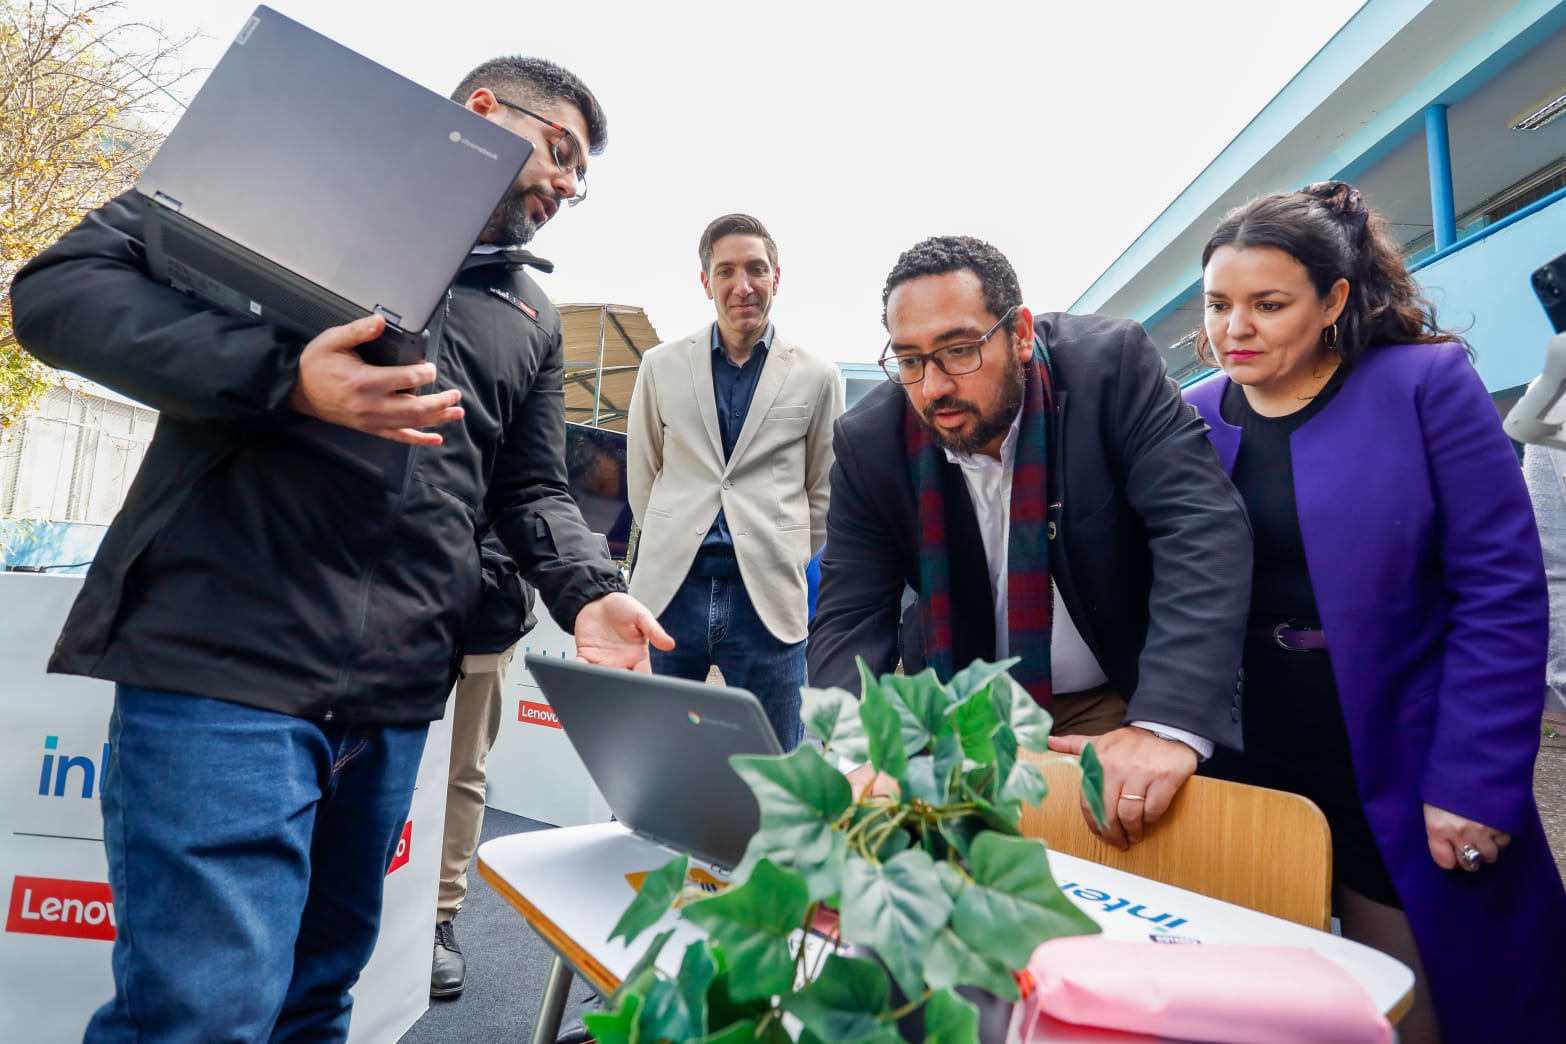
1450,116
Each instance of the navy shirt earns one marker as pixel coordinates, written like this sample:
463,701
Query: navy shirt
733,387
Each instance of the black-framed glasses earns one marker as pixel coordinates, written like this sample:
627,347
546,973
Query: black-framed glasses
954,359
566,151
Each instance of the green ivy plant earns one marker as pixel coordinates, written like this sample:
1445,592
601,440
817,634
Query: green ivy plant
932,885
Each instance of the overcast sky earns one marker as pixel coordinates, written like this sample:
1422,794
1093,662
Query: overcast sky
1057,131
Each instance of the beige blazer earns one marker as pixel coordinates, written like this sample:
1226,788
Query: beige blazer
773,490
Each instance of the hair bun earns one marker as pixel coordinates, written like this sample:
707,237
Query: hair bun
1342,199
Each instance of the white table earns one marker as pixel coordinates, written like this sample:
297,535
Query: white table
570,884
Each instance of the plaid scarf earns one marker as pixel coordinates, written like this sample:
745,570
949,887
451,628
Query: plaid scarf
1029,604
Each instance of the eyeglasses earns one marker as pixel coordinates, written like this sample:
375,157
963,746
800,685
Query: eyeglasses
954,360
566,150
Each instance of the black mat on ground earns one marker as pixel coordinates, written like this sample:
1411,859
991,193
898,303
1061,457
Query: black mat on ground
507,964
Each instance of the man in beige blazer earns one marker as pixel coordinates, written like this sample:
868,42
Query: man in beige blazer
730,453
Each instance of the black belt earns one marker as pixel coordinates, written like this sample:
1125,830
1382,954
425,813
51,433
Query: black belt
709,564
1292,635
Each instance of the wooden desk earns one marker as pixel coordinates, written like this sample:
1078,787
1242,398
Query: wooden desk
570,885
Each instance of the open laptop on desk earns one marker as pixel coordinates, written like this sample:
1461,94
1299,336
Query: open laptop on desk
658,749
308,186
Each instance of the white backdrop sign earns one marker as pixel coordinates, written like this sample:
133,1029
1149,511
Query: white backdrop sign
59,925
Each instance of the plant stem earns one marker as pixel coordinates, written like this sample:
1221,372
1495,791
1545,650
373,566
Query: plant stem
907,1009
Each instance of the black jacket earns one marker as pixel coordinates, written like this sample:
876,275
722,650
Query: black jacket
246,566
505,609
1152,552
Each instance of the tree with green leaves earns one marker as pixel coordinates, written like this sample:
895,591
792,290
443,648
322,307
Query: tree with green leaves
77,89
932,885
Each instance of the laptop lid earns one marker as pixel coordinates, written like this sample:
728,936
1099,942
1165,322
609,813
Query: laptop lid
658,749
301,158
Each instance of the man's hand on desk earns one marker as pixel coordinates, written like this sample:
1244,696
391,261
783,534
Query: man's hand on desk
1142,772
614,631
336,385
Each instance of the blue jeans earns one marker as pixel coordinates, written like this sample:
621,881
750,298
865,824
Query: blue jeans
247,856
713,622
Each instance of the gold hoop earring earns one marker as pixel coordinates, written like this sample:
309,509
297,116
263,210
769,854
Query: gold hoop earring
1329,337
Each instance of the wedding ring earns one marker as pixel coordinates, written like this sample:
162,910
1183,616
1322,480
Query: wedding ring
1132,797
1469,855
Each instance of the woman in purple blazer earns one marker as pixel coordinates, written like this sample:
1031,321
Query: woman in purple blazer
1394,663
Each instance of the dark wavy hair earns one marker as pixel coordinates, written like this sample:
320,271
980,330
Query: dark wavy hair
538,82
941,254
1327,228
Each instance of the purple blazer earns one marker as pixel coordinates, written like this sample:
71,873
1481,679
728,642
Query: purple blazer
1425,561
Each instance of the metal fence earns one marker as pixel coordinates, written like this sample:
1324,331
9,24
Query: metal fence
73,459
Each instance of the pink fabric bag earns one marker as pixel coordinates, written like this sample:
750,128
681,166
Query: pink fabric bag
1196,992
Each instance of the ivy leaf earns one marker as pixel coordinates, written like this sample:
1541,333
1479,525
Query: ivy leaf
832,716
752,923
976,719
844,1002
959,831
922,702
618,1026
1014,903
884,730
744,1032
919,782
698,971
1025,783
635,980
1003,816
664,1015
653,899
949,1019
1017,707
1093,783
953,962
722,1008
801,797
867,682
947,753
977,675
896,908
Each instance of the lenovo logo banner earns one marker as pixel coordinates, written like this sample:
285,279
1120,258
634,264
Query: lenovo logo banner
404,848
51,906
537,714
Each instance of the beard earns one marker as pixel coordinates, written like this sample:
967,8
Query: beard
510,224
988,426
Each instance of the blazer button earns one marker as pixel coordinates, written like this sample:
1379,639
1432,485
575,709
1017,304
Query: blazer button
728,485
1234,713
699,531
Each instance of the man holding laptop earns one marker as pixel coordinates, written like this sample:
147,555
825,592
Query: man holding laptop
280,629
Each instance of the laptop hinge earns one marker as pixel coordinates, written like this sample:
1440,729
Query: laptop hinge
168,202
391,317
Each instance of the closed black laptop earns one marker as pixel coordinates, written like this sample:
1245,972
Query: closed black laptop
658,749
308,186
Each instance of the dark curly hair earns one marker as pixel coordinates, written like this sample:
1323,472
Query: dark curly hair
538,82
1330,231
941,254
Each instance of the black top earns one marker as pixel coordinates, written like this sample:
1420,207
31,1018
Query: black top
1264,475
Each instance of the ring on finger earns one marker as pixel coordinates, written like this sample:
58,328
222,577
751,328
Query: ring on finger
1133,797
1469,854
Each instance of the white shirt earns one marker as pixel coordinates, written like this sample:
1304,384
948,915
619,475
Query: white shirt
1073,667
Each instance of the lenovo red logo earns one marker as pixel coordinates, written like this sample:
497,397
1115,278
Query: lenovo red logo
537,714
51,906
404,848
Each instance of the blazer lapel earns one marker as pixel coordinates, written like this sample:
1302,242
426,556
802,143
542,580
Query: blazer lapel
700,352
774,372
1207,397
